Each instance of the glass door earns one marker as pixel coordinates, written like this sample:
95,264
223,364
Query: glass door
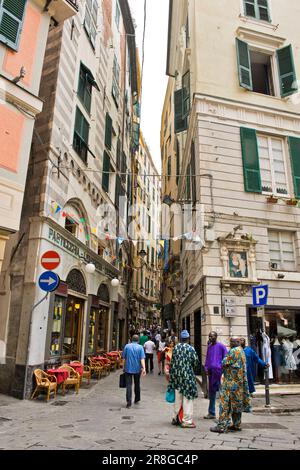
72,333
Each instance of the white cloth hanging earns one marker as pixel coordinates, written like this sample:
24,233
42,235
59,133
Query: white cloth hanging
290,362
266,353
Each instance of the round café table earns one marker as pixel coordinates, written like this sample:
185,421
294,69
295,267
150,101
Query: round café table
77,367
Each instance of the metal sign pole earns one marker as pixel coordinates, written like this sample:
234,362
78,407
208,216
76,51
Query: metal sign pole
267,389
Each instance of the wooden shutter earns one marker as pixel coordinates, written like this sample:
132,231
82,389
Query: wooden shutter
287,74
294,144
108,131
106,170
180,124
250,154
11,22
244,64
193,171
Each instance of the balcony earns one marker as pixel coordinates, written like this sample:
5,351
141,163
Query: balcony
61,10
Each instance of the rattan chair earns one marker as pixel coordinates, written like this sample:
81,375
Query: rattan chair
96,368
73,379
87,373
45,382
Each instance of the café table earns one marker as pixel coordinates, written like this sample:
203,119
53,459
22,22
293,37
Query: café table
60,374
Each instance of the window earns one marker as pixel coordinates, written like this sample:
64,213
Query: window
71,226
81,135
169,169
116,81
272,165
90,20
258,9
106,172
262,75
257,70
282,250
149,223
11,21
85,87
186,95
118,14
108,131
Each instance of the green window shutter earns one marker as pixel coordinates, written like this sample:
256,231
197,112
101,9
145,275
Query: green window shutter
118,190
294,145
180,122
106,170
193,171
186,90
244,64
108,131
250,154
12,14
287,74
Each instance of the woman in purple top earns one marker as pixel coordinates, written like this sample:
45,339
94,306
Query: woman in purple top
213,368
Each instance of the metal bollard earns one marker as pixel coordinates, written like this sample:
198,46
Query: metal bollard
267,389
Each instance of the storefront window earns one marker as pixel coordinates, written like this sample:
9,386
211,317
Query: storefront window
91,345
71,344
56,326
102,322
276,335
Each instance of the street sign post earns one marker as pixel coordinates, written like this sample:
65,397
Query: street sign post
49,281
50,260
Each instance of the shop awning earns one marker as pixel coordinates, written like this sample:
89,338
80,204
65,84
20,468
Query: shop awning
281,331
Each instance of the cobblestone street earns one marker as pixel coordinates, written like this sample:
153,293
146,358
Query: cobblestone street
97,419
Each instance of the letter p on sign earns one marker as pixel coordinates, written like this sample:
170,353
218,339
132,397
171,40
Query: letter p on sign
260,296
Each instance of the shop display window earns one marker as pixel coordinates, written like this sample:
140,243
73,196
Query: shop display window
56,333
277,333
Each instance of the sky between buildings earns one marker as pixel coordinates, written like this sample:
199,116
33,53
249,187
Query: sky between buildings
154,75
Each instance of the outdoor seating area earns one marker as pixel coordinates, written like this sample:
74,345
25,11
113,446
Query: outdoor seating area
72,374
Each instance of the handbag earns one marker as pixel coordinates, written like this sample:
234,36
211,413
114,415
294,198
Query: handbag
122,381
170,395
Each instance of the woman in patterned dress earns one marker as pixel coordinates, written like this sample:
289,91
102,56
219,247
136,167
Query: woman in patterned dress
183,381
234,396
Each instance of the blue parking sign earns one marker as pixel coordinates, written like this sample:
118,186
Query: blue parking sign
260,296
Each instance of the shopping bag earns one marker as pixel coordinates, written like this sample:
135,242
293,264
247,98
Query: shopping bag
122,381
170,395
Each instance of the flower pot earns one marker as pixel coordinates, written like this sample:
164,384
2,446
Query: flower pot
272,200
292,202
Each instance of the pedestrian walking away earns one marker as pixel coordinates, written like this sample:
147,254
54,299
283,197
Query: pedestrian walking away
183,380
252,361
149,348
134,356
234,395
213,368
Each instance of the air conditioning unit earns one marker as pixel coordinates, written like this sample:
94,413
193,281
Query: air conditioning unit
274,266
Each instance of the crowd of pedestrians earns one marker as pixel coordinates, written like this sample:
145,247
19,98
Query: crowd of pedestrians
230,374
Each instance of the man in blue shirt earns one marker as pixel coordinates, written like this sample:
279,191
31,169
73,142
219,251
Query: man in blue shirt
253,360
134,356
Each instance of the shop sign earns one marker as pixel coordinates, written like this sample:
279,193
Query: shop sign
79,253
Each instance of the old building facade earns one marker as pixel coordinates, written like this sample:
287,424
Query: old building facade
238,125
145,287
76,201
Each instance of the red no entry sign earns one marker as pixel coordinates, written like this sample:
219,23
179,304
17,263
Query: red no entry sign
50,260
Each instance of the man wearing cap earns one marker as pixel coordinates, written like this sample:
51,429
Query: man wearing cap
182,379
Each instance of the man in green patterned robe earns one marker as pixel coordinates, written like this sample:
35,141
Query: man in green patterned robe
183,381
234,395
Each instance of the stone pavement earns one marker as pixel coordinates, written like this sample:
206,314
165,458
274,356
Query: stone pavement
97,419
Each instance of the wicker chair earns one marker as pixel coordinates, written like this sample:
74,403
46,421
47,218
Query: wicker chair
73,379
96,368
46,382
87,373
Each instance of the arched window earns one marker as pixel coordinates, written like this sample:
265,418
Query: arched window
103,293
76,282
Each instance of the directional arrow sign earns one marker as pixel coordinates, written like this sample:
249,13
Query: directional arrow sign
49,281
50,260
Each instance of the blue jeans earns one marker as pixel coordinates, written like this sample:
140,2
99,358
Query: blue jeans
212,403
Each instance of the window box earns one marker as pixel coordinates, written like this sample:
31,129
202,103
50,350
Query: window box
272,199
